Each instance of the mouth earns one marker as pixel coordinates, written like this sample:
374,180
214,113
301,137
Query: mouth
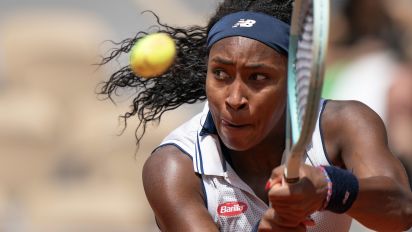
227,123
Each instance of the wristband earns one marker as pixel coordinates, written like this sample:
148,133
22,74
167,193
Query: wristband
329,188
345,188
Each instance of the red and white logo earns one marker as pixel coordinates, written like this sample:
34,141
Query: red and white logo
230,209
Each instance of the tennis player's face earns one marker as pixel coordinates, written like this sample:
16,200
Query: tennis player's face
246,90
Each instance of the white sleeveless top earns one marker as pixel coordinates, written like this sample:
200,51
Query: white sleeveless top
230,201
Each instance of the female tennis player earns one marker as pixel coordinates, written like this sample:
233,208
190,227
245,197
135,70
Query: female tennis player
222,170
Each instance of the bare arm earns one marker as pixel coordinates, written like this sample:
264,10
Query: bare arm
174,192
399,119
384,201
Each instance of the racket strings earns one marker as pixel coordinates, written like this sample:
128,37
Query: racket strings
304,63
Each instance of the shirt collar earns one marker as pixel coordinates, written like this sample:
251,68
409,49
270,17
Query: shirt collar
209,158
208,126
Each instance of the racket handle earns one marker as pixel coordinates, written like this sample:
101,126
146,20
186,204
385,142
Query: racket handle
291,171
292,180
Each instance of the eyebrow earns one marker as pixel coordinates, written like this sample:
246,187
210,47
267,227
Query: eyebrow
219,59
222,60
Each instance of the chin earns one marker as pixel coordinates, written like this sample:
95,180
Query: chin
237,145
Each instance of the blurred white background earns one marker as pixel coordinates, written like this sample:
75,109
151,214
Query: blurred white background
63,166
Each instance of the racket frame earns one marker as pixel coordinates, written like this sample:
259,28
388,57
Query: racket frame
299,136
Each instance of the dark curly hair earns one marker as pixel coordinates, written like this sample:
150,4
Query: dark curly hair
184,82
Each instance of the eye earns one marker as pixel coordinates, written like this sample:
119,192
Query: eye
258,77
220,74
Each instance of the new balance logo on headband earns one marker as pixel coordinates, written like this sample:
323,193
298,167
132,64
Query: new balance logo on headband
245,23
253,25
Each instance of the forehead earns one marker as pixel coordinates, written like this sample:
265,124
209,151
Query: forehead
236,47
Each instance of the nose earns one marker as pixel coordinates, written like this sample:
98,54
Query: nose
236,98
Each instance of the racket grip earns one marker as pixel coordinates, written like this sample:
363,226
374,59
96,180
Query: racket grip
291,171
291,180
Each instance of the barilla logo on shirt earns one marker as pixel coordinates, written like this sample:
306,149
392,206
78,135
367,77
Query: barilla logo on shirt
230,209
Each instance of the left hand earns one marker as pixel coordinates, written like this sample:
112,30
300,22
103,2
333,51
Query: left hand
267,224
294,203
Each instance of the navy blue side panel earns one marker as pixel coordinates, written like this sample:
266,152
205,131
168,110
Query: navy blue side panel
200,155
203,190
209,126
175,145
321,132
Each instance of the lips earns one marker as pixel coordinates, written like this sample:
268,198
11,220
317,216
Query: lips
228,123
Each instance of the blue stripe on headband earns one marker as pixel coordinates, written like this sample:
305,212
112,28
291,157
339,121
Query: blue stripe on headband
254,25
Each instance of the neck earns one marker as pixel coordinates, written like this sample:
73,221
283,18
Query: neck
262,158
259,160
255,166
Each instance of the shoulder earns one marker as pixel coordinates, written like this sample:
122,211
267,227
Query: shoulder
175,153
346,106
170,183
351,127
185,135
359,140
350,114
167,161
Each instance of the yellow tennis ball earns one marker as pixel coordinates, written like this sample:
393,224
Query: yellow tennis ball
152,55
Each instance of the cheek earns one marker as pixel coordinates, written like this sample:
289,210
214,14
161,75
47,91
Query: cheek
212,96
208,87
271,111
214,93
273,114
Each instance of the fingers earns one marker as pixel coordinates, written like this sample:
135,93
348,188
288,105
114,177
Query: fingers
287,193
311,186
277,181
277,174
309,222
286,222
268,224
293,203
290,210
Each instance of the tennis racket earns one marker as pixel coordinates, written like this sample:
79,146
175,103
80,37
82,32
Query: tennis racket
307,52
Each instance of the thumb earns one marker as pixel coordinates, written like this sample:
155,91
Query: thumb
276,179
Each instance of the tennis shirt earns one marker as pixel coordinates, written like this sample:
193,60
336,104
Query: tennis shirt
230,201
